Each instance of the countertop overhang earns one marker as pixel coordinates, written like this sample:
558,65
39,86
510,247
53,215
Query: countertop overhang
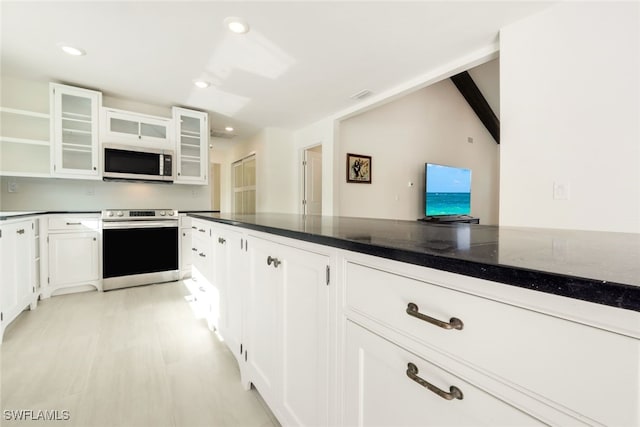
598,267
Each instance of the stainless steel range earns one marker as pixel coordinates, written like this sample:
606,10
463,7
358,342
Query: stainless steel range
139,247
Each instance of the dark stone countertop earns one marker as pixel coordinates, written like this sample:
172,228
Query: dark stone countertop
593,266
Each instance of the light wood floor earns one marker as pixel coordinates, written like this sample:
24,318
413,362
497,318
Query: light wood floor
131,357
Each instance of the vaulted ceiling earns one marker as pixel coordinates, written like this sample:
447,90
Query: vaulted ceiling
299,62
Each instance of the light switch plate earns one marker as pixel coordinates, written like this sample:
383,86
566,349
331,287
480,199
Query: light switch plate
560,190
12,187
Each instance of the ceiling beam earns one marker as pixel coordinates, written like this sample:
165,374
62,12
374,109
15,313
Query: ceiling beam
478,103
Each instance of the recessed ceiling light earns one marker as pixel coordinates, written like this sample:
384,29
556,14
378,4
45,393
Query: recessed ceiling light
71,50
201,84
229,129
237,25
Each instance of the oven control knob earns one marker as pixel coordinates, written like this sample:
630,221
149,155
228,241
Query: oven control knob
170,213
119,213
110,214
162,213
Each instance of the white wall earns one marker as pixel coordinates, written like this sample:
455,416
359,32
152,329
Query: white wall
53,194
321,132
327,130
67,194
570,114
276,182
429,125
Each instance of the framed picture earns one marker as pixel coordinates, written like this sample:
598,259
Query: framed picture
358,168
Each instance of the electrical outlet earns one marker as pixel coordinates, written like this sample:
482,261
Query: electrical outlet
12,187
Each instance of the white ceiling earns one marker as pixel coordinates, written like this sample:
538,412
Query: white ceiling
299,63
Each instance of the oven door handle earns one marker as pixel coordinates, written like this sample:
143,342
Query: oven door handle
112,225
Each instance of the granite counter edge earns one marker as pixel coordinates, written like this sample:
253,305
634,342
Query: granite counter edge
612,294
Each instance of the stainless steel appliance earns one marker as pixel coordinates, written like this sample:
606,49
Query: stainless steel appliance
139,247
125,163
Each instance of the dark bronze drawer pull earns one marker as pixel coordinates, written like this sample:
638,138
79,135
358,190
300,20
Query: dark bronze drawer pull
202,255
221,240
454,322
454,392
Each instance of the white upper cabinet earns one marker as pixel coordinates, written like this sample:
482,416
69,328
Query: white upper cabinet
137,129
192,143
74,132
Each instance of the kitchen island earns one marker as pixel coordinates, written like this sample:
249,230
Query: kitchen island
598,267
399,322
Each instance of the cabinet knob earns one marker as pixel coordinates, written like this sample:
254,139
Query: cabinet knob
275,261
94,168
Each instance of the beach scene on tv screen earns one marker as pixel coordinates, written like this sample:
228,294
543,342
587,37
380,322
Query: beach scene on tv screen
448,190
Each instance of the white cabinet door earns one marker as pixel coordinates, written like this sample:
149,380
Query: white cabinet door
231,277
380,392
74,132
192,146
16,269
262,350
73,259
287,322
136,129
304,329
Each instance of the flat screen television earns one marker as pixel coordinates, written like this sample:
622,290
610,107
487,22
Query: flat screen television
448,190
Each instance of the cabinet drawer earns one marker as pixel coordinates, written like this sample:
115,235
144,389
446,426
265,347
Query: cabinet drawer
201,251
73,223
380,392
590,371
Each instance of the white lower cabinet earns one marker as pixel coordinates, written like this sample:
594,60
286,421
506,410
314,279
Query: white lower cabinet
202,285
333,337
231,277
17,270
74,256
557,370
274,316
287,331
386,385
73,259
186,258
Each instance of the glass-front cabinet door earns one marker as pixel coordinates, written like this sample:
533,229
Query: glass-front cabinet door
134,129
74,129
192,143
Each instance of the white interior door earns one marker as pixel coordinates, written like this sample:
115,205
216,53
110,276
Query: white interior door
313,181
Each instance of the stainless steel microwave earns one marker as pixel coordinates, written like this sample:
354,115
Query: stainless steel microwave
126,163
